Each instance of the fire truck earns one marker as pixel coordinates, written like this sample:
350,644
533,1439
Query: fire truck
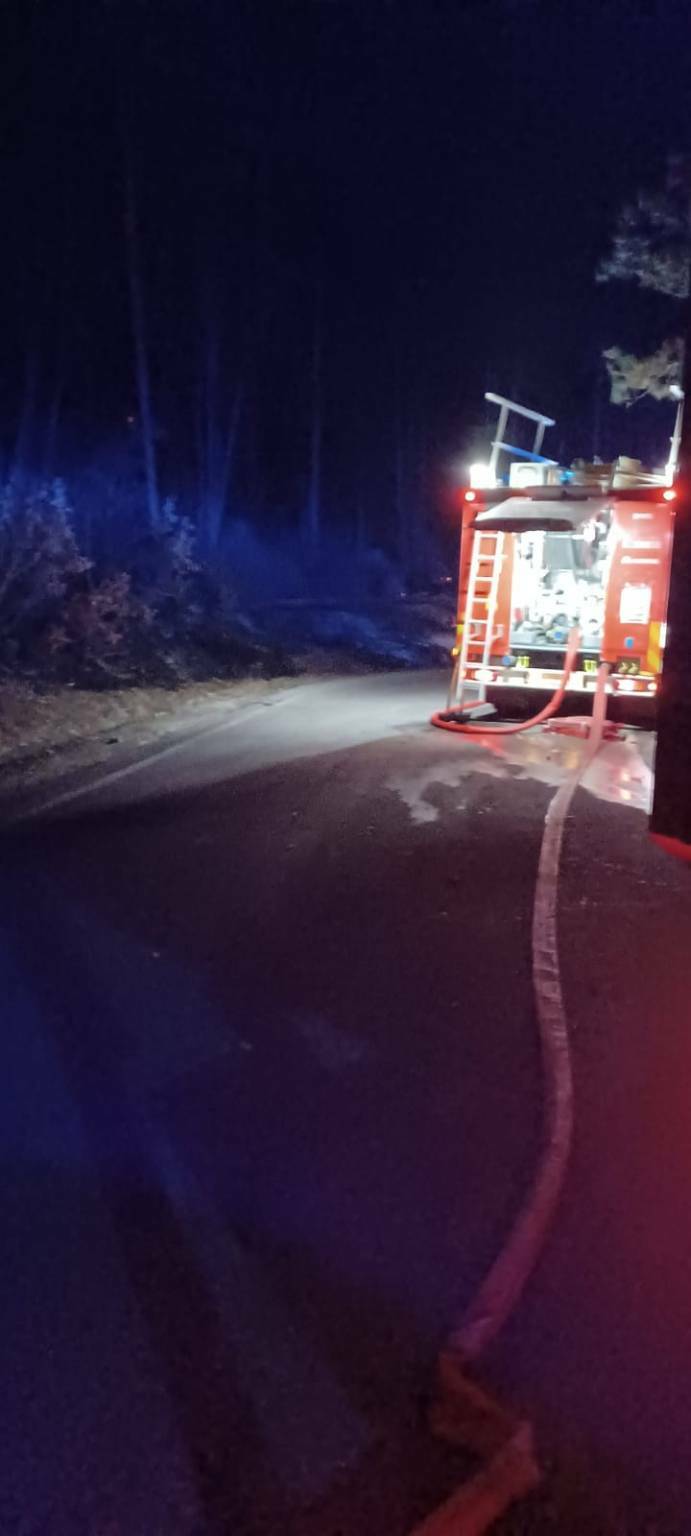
550,548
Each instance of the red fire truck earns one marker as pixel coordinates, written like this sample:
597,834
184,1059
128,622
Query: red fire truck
588,546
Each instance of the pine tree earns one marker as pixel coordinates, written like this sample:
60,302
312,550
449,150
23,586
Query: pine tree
651,246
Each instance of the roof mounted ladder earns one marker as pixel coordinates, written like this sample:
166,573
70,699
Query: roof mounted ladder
499,445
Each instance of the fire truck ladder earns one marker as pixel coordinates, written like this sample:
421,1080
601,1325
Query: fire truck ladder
478,631
509,408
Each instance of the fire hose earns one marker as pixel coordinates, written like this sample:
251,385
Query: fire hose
463,1412
447,719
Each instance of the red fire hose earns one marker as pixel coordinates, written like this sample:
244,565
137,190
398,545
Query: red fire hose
444,718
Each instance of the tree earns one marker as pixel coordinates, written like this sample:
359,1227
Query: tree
658,375
218,424
312,516
651,246
141,353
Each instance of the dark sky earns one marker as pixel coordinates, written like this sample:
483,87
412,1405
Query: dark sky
439,178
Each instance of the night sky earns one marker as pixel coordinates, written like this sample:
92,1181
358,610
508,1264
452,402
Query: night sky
437,181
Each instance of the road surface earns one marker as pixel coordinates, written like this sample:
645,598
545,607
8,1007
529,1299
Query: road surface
272,1097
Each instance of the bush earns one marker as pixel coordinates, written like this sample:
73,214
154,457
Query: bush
102,632
143,607
163,618
40,565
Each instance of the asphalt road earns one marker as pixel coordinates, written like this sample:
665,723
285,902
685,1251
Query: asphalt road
271,1098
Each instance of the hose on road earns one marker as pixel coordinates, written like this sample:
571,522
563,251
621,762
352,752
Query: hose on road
507,1276
447,720
462,1413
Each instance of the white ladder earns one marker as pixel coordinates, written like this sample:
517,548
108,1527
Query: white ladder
486,562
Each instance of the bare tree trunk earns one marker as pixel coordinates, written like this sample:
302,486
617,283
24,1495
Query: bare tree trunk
402,497
199,436
220,474
313,509
216,450
255,459
360,525
19,473
141,356
211,433
53,420
231,444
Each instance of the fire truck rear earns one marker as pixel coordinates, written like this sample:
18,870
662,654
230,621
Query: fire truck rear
586,546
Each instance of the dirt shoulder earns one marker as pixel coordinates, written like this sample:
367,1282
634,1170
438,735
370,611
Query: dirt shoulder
46,732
